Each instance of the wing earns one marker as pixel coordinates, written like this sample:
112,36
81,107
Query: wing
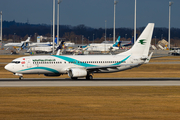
107,68
100,68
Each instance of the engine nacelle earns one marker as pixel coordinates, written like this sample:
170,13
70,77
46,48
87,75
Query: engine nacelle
52,74
77,72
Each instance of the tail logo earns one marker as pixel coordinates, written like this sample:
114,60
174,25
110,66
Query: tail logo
142,41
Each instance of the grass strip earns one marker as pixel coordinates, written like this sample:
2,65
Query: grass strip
97,103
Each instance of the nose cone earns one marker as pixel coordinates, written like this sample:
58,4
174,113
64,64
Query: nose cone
8,67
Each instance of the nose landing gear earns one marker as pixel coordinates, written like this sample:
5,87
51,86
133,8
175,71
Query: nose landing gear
20,75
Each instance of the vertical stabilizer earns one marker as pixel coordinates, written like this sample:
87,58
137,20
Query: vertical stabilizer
117,43
28,39
142,45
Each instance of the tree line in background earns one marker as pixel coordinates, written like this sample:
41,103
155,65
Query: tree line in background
81,33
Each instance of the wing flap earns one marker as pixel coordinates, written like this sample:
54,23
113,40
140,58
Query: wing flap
109,66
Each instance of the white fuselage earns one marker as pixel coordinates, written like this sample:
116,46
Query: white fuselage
41,49
100,47
43,44
57,64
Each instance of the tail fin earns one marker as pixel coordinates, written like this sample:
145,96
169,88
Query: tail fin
60,46
117,43
59,51
22,46
56,41
132,40
142,45
28,39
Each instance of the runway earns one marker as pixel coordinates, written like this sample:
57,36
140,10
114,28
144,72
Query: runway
95,82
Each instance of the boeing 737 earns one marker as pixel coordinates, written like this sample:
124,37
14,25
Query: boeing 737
77,66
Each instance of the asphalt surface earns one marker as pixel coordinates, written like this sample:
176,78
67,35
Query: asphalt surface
6,82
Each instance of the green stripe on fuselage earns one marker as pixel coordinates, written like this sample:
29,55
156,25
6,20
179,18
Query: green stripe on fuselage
74,61
77,62
42,68
118,63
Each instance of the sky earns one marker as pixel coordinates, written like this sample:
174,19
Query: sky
93,13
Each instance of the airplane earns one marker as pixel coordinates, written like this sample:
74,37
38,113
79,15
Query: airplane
21,45
46,47
104,46
77,66
43,44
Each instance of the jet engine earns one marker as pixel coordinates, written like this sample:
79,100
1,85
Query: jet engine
77,72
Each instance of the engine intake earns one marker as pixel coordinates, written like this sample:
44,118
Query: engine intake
77,72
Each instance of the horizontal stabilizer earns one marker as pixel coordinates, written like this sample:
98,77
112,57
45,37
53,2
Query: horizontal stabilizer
148,59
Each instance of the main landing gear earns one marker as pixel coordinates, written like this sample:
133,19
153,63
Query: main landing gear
20,77
89,77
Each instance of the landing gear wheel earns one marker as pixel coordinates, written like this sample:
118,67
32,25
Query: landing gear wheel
89,77
21,77
74,78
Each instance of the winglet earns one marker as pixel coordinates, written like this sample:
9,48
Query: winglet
148,59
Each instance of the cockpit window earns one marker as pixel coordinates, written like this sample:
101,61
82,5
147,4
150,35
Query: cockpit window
16,62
